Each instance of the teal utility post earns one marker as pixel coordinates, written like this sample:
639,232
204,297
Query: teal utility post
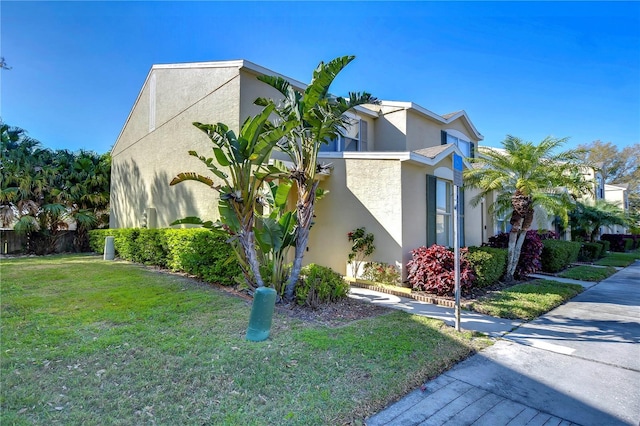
264,302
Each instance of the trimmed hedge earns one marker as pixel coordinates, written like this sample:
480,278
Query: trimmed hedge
590,252
196,251
619,242
629,244
557,255
489,264
606,246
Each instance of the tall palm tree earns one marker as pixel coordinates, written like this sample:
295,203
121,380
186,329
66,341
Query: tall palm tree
314,117
525,176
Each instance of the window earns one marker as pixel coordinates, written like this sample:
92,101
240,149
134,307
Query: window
354,139
440,212
443,213
501,224
599,188
449,137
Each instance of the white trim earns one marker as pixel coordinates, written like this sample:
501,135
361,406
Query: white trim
433,115
394,155
366,155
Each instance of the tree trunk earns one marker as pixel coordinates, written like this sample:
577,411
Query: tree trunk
512,257
306,204
247,240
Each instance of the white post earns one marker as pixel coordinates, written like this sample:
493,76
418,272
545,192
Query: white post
456,251
109,249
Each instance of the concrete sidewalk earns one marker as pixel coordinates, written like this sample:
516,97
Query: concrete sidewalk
578,364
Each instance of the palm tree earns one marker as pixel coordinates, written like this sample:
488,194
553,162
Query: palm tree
312,117
588,218
525,176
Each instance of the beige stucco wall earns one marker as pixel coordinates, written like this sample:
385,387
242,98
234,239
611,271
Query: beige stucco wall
414,213
390,129
145,162
422,132
475,220
460,126
362,193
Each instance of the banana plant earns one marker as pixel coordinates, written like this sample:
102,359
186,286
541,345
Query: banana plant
309,119
239,162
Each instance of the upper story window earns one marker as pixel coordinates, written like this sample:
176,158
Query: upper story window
599,188
354,139
466,147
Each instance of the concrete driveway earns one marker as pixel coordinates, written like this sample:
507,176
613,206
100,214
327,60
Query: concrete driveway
578,364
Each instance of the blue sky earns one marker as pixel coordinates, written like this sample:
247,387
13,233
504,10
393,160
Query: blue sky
530,69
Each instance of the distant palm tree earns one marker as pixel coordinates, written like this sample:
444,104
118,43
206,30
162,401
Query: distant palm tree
588,218
526,175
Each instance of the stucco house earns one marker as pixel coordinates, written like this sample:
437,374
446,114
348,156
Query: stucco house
392,171
617,194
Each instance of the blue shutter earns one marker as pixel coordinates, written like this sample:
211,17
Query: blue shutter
443,137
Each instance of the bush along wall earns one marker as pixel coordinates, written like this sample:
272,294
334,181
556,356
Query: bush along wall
618,241
590,252
196,251
606,246
557,255
489,264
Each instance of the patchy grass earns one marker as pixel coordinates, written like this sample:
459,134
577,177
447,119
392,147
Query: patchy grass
86,341
619,259
526,301
588,273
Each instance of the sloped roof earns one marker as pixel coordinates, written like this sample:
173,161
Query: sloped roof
432,151
444,119
618,185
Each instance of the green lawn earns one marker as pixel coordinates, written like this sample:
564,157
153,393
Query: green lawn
619,259
528,300
588,273
90,342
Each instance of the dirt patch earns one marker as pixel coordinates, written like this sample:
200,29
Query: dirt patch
330,314
334,314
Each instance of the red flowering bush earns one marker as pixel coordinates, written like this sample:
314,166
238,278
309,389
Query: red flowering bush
530,255
432,270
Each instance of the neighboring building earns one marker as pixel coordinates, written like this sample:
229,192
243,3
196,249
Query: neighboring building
392,172
617,194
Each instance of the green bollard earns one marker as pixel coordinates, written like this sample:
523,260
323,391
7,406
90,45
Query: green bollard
109,249
264,302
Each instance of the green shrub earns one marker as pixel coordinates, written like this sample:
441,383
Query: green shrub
97,237
196,251
606,246
557,255
151,247
125,244
590,252
203,253
489,263
381,273
319,284
628,244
